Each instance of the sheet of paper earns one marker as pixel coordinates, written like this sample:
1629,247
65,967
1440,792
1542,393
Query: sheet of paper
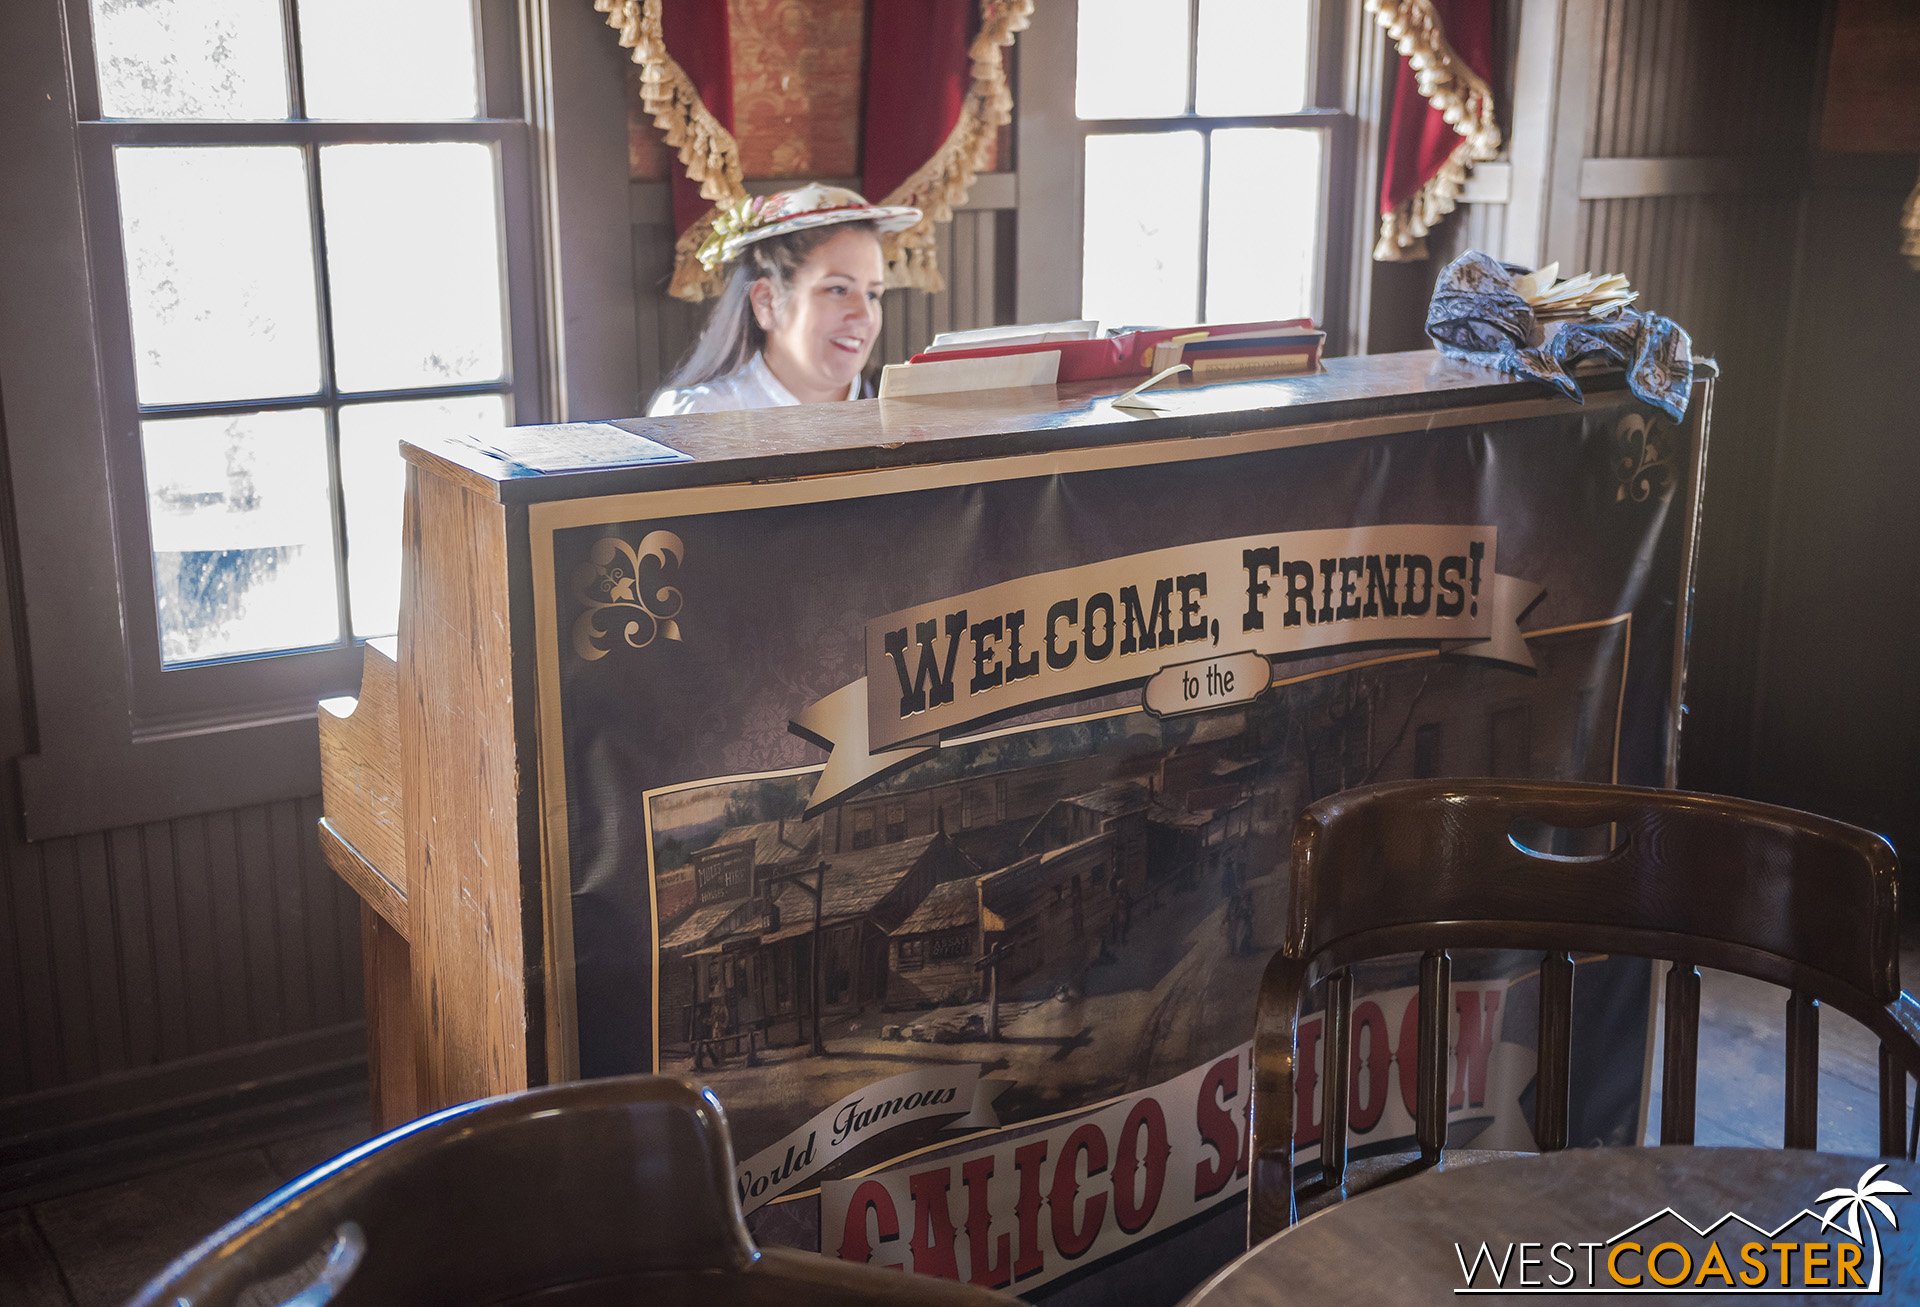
946,376
574,447
1039,333
1144,403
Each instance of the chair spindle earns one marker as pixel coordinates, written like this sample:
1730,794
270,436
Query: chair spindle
1556,1052
1333,1102
1682,1054
1436,1000
1803,1070
1893,1105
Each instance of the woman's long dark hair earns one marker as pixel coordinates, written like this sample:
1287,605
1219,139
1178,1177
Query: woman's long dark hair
732,335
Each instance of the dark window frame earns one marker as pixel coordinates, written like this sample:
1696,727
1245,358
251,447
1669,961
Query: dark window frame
96,756
221,692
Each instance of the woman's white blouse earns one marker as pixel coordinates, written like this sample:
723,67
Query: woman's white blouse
750,386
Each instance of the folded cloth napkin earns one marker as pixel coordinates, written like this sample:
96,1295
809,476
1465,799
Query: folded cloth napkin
1477,316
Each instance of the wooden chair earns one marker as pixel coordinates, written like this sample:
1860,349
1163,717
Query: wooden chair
603,1192
1417,867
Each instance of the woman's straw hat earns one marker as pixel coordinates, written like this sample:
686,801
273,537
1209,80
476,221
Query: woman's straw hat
814,205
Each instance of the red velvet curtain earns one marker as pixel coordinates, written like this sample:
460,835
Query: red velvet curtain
1427,157
699,38
918,76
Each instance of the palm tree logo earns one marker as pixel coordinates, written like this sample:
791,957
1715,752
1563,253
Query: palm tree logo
1863,1198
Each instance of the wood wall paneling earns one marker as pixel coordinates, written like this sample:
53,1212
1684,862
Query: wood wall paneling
1706,96
1836,707
1872,100
131,949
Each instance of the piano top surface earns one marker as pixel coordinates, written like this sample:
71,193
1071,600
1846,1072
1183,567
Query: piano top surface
863,435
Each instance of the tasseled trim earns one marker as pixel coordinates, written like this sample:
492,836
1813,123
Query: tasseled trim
707,150
1463,99
943,181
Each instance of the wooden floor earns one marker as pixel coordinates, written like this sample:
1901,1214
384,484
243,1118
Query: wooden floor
94,1248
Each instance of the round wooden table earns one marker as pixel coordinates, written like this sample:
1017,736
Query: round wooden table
1562,1220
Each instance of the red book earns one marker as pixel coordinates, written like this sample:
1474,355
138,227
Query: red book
1128,354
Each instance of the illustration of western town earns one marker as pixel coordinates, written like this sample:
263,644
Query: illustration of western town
1083,908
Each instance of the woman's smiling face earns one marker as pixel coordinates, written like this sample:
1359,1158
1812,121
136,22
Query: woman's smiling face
820,335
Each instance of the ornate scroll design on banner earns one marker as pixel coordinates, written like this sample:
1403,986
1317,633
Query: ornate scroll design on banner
706,148
1459,95
608,585
1645,461
943,181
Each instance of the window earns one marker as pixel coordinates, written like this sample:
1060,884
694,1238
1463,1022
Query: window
896,822
309,244
1204,161
863,829
913,953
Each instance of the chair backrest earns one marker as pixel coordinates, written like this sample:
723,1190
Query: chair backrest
605,1182
1422,866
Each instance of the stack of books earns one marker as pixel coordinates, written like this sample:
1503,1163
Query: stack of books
1075,351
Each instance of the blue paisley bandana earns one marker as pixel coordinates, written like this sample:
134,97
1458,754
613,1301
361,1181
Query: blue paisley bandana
1477,316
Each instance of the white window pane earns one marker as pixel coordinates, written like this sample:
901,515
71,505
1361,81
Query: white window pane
190,58
242,529
373,480
1133,59
413,259
1263,224
388,60
1253,56
1142,244
220,284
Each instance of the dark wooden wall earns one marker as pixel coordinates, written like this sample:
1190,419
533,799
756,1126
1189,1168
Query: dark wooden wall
1684,157
151,973
148,944
1725,87
1836,709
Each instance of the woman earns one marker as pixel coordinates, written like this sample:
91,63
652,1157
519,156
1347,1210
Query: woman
801,309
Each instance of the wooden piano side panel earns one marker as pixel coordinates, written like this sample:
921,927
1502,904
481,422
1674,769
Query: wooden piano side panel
472,855
363,833
363,837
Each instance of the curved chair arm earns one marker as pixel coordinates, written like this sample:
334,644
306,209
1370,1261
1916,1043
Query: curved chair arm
1270,1201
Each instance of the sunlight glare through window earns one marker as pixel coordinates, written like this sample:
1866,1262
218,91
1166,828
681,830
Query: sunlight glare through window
1253,56
220,283
1263,224
388,60
242,533
414,256
373,479
1132,59
1142,232
192,59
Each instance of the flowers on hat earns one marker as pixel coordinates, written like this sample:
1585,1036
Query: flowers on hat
734,220
757,217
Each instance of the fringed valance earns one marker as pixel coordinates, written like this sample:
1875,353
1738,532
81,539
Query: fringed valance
937,94
1443,116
